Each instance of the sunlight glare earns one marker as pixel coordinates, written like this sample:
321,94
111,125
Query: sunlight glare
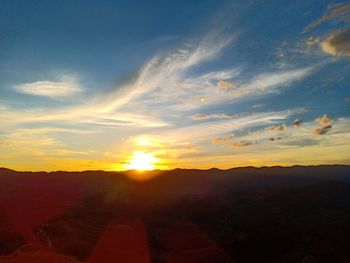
142,161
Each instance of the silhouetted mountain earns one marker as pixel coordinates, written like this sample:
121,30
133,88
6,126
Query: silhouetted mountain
269,214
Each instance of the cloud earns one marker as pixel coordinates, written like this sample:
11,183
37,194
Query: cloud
205,86
123,119
261,85
337,43
340,12
221,140
134,103
257,106
203,131
297,123
28,142
222,84
268,82
169,81
324,120
295,137
242,144
281,127
275,139
200,117
322,130
64,87
300,142
162,79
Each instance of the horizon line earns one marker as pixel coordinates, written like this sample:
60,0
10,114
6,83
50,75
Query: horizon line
166,170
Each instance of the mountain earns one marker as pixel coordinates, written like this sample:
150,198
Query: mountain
268,214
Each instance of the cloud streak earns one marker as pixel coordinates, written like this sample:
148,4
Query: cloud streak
222,116
64,87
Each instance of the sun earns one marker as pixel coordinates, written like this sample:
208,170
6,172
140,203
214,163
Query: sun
141,161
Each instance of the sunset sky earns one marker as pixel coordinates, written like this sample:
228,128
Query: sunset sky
189,84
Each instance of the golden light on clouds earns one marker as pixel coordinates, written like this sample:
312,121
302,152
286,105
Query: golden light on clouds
148,142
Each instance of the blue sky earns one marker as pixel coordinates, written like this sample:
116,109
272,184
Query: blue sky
86,84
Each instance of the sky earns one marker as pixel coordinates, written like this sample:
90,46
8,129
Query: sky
87,85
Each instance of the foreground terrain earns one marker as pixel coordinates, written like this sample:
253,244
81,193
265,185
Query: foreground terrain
295,214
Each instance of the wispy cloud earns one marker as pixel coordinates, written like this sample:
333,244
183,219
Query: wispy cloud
200,117
206,131
67,85
257,106
269,82
163,76
261,85
163,87
340,12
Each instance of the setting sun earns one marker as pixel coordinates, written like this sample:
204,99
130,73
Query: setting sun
141,161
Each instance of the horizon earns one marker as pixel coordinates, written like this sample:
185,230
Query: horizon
139,85
177,168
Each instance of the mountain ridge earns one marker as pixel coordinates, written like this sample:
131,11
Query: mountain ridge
5,169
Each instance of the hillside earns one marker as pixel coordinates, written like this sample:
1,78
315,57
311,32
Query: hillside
276,214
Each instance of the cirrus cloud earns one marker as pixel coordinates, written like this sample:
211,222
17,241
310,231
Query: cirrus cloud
64,87
200,117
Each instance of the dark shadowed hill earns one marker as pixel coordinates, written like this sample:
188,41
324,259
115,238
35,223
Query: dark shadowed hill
269,214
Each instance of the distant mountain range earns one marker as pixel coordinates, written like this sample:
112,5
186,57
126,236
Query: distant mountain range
179,182
268,214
